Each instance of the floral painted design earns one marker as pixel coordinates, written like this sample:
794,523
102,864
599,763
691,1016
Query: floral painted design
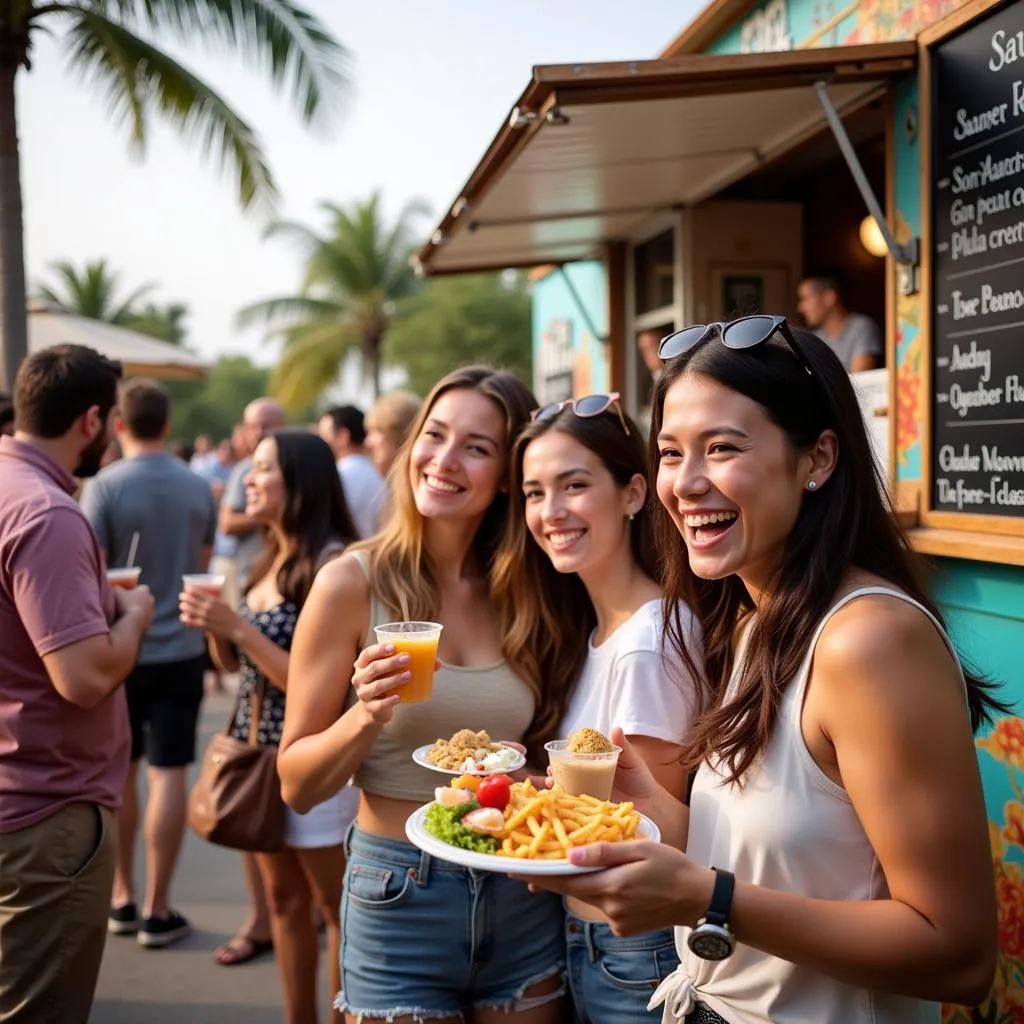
1005,1005
885,21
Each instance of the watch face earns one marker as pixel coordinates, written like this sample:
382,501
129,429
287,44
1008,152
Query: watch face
710,942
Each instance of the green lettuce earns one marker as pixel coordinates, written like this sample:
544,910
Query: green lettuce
445,823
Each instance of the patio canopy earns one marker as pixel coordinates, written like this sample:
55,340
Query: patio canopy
49,325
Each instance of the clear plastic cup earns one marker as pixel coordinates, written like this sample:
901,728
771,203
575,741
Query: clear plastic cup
205,582
125,579
582,774
419,640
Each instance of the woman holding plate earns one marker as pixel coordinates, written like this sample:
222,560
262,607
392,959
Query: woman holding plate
837,866
424,938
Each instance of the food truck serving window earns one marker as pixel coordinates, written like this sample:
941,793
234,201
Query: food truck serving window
976,462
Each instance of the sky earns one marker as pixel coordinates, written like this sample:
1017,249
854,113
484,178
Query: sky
431,85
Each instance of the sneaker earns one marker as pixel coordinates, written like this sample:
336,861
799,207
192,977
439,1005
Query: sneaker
157,932
123,920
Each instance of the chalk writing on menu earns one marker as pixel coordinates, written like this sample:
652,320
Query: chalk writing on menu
978,268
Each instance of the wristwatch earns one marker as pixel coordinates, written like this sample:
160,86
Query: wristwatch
712,939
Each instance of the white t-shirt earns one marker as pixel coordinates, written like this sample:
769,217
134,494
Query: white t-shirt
632,681
365,491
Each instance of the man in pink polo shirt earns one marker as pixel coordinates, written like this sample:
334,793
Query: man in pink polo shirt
67,642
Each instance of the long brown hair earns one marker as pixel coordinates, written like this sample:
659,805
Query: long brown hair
315,514
847,524
402,576
549,615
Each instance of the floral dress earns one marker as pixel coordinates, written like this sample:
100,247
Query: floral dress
277,624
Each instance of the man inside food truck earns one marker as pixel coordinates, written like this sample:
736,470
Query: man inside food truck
855,337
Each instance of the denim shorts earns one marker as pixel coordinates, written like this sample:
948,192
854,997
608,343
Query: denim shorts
613,979
425,938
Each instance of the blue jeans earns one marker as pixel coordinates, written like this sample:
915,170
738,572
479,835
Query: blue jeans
425,938
613,979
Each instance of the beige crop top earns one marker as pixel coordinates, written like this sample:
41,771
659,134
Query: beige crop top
492,697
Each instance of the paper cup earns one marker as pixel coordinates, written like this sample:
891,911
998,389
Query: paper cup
419,640
206,582
125,579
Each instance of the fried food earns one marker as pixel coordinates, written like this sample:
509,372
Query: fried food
545,824
452,754
589,741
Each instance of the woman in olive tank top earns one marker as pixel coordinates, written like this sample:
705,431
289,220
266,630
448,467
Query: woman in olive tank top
424,938
837,866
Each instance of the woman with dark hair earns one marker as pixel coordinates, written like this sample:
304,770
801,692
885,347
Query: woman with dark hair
580,571
837,864
294,492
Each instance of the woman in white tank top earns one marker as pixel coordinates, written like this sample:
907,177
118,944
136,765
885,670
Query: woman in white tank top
836,778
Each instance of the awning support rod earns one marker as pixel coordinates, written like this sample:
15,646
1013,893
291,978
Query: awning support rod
905,254
579,305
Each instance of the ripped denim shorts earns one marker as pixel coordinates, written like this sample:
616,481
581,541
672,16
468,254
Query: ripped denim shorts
428,939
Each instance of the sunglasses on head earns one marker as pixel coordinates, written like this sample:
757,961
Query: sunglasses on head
747,332
585,408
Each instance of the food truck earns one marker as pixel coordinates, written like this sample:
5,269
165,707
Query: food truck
881,137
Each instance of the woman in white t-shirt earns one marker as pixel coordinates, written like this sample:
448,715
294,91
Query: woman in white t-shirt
582,574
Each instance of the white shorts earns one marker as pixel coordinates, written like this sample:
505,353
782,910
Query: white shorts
322,825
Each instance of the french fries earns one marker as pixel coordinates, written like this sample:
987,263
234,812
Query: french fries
545,824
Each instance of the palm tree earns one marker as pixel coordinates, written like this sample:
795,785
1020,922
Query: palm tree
92,292
108,41
166,323
357,273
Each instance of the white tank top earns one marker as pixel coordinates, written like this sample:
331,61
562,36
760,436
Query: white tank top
792,829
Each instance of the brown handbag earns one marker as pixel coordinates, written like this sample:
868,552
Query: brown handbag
236,800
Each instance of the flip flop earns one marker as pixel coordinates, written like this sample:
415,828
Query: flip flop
241,949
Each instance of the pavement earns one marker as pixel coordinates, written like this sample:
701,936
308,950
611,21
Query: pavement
183,982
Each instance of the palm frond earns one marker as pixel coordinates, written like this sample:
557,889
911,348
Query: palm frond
311,361
281,313
138,78
127,309
289,43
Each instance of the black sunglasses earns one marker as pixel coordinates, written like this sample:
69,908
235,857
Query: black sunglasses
585,407
747,332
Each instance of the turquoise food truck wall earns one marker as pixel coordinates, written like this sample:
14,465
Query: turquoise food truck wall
569,357
983,603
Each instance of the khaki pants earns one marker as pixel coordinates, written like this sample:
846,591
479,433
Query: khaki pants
55,884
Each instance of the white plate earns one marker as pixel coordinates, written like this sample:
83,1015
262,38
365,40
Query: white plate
419,755
419,836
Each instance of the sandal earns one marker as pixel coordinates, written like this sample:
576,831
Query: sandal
241,949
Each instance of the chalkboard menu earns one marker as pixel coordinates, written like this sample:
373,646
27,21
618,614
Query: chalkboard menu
978,267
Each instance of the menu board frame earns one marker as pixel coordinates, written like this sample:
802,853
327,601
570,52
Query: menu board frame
974,522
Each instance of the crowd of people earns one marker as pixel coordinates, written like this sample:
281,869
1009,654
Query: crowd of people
730,599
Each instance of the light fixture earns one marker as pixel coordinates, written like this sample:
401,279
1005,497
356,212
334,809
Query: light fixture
460,206
555,116
871,237
520,118
439,237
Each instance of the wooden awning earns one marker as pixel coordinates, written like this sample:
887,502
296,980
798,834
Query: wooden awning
590,149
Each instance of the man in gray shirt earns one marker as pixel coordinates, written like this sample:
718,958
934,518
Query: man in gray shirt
261,417
856,338
155,495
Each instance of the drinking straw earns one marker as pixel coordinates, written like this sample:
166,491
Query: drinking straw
133,547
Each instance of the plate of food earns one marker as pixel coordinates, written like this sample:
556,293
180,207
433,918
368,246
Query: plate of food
494,824
469,753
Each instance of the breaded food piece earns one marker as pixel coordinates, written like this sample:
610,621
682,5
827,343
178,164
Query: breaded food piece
589,741
464,744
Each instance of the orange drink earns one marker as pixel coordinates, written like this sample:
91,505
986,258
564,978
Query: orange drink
418,640
205,582
126,579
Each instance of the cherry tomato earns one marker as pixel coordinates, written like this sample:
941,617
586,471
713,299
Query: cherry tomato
494,791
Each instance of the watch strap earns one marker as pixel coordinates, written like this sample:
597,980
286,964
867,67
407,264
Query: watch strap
721,897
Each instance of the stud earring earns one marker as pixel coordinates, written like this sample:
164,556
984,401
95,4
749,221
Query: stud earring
632,516
811,485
